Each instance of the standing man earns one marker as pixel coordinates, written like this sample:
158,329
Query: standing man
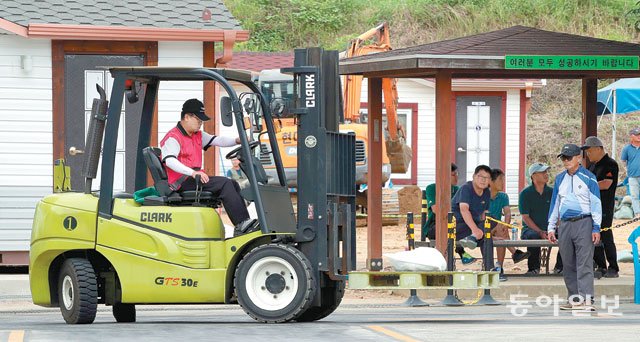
575,203
182,156
606,171
469,206
534,202
631,158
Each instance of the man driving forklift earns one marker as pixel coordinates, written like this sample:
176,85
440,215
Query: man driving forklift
182,157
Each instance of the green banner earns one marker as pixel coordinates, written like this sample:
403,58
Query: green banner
571,62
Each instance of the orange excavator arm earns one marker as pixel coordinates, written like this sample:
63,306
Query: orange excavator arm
399,154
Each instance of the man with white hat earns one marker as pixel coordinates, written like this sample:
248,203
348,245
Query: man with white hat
606,171
533,203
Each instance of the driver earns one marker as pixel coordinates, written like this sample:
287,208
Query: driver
182,156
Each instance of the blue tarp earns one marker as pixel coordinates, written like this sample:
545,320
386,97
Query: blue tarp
627,96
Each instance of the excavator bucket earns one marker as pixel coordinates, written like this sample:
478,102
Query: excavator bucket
399,155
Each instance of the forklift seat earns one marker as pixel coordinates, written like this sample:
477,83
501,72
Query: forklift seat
152,157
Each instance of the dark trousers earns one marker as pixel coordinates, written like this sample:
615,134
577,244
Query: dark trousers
533,262
609,248
431,234
228,191
534,252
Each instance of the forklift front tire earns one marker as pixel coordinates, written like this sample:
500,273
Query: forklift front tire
124,313
274,283
78,291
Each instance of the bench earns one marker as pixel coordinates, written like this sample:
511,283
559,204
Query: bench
545,248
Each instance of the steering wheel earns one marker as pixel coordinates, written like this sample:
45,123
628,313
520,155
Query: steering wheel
236,151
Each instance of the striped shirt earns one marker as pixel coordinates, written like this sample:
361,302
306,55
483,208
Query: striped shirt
575,195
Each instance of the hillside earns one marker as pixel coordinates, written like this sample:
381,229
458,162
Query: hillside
281,25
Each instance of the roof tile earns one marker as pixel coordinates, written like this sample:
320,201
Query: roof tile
516,40
160,13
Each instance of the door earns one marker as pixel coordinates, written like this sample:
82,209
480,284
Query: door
82,73
478,138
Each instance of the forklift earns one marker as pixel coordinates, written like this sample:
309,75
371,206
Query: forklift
100,247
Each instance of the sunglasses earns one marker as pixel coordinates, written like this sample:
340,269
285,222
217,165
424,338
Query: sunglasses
565,158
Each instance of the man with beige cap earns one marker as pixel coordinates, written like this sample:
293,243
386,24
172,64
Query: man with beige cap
534,202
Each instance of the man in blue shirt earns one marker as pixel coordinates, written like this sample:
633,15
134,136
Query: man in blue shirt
631,158
469,206
575,204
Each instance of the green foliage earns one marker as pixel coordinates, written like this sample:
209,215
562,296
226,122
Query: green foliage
555,115
278,25
281,25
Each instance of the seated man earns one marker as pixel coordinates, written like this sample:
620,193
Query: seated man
182,155
498,206
429,227
469,206
534,203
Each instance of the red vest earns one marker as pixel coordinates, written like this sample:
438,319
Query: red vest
190,152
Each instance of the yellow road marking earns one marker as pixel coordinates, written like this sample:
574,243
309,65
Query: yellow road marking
391,333
16,336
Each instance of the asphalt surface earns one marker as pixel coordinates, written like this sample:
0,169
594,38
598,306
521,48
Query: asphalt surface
351,322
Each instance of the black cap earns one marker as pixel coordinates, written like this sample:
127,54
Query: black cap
570,150
195,107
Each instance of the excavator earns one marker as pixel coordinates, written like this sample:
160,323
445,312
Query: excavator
396,149
278,87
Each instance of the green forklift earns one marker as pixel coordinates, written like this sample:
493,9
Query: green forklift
100,247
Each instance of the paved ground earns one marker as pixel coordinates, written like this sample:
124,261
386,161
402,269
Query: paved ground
363,316
351,322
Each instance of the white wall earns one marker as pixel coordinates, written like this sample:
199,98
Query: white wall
231,131
416,92
26,142
512,146
422,92
172,94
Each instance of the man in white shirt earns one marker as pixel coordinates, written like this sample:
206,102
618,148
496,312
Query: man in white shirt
182,156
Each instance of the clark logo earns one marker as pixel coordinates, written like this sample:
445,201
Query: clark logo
155,217
177,282
310,90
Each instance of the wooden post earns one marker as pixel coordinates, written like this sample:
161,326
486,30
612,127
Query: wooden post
589,111
374,171
209,99
443,156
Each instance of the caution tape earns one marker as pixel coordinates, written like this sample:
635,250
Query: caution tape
504,223
601,229
470,302
620,224
384,216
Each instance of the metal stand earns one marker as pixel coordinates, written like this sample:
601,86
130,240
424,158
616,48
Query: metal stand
451,299
423,217
413,299
487,299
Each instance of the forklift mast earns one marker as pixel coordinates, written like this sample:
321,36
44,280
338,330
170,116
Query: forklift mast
326,166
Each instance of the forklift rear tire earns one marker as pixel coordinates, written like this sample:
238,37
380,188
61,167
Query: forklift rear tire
124,313
78,291
274,283
331,299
